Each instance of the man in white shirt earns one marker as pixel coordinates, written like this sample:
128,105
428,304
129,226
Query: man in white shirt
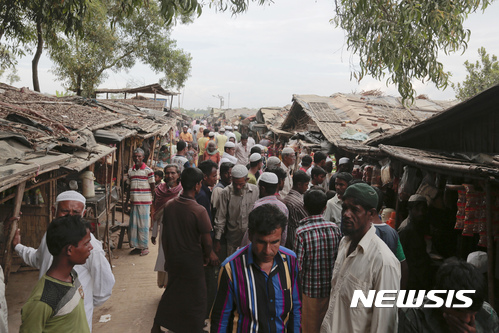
242,151
364,262
287,164
333,206
95,275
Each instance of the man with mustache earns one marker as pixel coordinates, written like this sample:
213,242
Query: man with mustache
364,263
236,202
165,191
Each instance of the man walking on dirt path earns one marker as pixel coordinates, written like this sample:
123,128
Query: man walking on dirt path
187,247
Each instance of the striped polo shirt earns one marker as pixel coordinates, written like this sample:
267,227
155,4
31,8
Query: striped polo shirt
139,180
249,300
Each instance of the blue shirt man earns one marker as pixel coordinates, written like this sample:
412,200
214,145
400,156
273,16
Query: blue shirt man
258,289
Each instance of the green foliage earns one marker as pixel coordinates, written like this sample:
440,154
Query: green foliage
63,93
402,39
481,75
116,42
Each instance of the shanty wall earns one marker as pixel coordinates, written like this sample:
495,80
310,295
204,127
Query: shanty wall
33,223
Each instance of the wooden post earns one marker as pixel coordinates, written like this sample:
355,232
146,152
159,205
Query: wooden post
106,237
12,229
111,182
172,133
490,244
122,181
151,155
51,193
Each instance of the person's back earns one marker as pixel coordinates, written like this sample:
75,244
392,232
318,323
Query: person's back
186,244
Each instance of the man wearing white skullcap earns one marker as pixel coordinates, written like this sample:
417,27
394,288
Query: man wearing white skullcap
267,187
221,139
256,163
229,151
273,162
95,275
236,202
287,164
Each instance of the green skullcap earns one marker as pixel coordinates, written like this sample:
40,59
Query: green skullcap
364,193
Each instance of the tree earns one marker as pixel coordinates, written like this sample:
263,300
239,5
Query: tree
114,42
481,75
27,21
398,39
403,39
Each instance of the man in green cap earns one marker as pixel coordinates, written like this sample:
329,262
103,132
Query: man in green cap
364,263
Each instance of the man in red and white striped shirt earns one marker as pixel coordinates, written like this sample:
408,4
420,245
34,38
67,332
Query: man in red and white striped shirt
141,180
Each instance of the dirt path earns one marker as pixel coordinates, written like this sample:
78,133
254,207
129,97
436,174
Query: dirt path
132,305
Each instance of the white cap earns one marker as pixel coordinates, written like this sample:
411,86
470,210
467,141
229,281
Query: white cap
221,129
235,127
255,157
229,144
273,162
229,128
343,160
225,159
328,159
268,177
288,150
211,134
263,148
239,171
479,260
70,196
185,126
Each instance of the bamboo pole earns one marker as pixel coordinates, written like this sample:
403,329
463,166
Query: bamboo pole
151,155
122,181
12,229
171,143
490,244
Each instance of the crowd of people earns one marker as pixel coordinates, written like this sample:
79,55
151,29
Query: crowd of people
253,240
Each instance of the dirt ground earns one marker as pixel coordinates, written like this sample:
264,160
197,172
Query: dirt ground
132,305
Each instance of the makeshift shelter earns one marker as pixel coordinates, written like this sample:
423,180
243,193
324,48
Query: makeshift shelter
155,89
452,159
355,117
43,139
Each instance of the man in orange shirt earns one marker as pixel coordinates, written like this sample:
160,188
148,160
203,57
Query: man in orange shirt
187,137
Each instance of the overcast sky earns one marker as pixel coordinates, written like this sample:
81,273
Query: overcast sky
263,57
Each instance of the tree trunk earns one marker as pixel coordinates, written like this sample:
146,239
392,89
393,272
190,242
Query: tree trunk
36,58
78,85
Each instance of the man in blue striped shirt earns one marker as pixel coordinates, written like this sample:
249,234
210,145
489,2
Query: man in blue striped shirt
257,288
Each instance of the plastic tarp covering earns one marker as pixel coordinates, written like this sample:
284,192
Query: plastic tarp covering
107,137
351,134
27,121
9,154
313,137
